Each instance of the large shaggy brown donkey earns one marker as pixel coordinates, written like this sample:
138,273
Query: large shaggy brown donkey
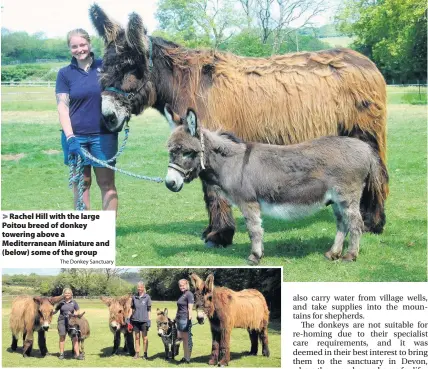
278,100
227,309
30,314
119,308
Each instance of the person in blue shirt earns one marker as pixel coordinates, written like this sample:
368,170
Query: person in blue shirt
78,95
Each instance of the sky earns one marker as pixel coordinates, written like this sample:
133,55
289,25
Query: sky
55,17
38,271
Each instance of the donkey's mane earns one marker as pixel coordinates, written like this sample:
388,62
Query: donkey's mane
230,136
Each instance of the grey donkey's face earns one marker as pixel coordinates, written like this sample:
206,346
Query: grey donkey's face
184,150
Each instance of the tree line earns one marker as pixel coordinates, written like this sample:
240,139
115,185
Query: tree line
390,32
393,33
161,283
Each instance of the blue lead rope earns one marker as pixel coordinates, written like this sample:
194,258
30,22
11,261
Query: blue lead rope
76,171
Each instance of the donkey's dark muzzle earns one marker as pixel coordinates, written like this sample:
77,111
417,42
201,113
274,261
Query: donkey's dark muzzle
112,124
201,320
173,186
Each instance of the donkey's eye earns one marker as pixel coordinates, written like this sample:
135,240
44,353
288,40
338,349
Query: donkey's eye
189,154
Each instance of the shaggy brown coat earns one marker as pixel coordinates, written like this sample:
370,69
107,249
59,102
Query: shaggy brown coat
283,99
227,309
30,314
119,310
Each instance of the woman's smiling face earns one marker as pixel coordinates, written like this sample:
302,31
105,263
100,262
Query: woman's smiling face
67,295
79,47
182,286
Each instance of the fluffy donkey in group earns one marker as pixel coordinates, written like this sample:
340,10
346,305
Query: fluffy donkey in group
282,100
78,328
29,315
282,181
119,309
167,331
227,309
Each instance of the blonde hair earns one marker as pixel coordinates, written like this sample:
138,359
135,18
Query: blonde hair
141,283
65,290
185,281
78,32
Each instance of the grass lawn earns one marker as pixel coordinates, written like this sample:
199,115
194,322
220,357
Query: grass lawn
157,227
99,345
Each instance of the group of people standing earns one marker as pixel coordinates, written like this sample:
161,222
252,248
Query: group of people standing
138,320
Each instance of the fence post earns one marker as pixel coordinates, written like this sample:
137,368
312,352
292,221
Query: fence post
419,85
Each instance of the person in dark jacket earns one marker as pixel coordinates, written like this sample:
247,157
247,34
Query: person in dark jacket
66,308
183,318
140,318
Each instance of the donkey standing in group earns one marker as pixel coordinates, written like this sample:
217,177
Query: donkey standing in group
227,309
283,181
167,331
78,328
283,99
119,309
29,315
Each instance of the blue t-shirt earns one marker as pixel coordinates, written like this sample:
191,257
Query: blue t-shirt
84,90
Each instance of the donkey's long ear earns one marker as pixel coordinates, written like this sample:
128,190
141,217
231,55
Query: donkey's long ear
81,314
125,299
191,121
106,300
197,282
165,312
37,300
172,117
55,299
209,283
107,28
136,34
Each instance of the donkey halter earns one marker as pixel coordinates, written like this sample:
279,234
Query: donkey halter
129,95
186,173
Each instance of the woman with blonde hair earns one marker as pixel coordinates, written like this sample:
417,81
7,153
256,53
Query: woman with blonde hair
78,95
66,308
183,318
139,317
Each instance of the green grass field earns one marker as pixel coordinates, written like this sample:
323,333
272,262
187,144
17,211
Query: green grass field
159,228
99,345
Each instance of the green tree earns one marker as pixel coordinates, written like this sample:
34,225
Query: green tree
391,32
211,22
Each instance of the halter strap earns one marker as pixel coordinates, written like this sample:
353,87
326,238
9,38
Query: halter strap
123,93
185,172
150,53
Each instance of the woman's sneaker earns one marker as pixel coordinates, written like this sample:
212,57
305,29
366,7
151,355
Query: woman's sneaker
61,356
136,356
184,361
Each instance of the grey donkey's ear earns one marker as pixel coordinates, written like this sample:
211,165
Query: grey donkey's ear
172,117
192,121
